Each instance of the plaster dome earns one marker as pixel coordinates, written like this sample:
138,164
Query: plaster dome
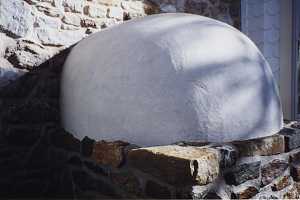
167,78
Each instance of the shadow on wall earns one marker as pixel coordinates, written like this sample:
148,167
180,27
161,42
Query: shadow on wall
38,158
31,163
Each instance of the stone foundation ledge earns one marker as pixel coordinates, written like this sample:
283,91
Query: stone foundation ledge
261,168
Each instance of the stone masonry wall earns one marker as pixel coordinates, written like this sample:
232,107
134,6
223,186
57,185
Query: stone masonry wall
40,159
33,31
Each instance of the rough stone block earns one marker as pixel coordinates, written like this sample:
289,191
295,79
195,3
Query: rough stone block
95,11
291,137
157,191
73,5
177,165
283,182
291,193
197,192
228,155
262,146
71,19
109,2
88,23
272,170
242,173
294,156
295,170
129,182
66,141
244,192
115,12
109,153
86,147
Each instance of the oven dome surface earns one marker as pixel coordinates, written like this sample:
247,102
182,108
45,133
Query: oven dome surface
167,78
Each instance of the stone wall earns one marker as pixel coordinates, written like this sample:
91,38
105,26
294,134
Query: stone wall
40,159
33,31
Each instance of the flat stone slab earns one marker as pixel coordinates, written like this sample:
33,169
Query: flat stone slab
292,138
167,78
266,146
242,173
177,165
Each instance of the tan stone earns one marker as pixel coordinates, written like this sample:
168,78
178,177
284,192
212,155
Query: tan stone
272,170
262,146
295,170
177,165
109,153
283,182
292,193
109,2
245,192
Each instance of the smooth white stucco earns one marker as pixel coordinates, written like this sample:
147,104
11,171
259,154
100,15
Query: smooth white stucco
168,78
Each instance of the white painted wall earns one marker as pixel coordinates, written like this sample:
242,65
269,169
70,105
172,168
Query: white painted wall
261,22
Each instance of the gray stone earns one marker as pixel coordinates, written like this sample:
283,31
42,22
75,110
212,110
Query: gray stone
228,155
115,12
16,17
27,54
281,183
73,5
95,11
242,173
179,88
177,165
244,192
292,138
157,191
168,8
8,73
47,22
272,170
266,146
200,191
71,19
295,170
53,37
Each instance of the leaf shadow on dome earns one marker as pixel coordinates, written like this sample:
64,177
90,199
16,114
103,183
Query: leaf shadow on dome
270,109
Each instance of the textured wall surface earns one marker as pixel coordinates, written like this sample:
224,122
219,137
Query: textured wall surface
261,22
177,77
32,31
